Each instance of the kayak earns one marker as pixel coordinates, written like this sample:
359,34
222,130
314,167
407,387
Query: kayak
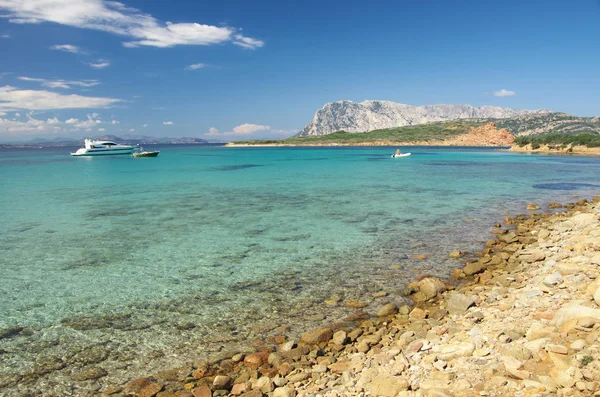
400,155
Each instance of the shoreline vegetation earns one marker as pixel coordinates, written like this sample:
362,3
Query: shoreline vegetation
519,317
447,134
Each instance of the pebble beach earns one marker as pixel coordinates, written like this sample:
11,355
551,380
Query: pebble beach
521,317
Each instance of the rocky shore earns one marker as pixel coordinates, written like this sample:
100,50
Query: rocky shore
520,318
557,149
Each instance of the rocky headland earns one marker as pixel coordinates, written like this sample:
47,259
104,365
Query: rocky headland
519,318
358,117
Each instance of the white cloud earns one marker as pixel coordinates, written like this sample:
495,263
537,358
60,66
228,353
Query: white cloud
13,99
61,47
101,130
132,130
167,122
114,17
61,83
247,42
212,132
195,66
249,129
115,122
33,126
100,64
504,92
145,125
5,36
246,128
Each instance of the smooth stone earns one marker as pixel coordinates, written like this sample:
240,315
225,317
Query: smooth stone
576,312
340,337
282,392
388,386
553,279
457,302
387,310
449,351
578,345
317,336
221,382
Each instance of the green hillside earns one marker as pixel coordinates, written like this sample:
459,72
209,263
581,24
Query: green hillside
423,132
550,123
554,124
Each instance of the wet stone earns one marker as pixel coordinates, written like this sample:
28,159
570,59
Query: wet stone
89,374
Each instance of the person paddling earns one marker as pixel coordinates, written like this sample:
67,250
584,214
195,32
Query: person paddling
397,153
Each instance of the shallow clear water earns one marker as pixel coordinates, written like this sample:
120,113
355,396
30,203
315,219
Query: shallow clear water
203,248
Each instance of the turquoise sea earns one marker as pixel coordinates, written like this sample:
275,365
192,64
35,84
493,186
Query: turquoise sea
134,265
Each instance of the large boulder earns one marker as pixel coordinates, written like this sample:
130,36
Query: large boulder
428,288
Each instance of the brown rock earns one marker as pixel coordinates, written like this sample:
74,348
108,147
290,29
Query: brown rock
456,254
317,336
418,313
239,388
256,359
356,304
419,257
508,238
135,386
151,390
387,310
473,268
202,391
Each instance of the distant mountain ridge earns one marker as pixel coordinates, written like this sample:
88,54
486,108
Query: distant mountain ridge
374,115
130,139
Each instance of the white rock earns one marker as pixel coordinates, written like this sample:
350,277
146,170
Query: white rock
575,312
553,279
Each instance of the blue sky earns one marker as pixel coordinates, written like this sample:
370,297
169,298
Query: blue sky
76,68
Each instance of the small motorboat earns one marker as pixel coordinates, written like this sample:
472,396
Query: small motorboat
146,154
398,154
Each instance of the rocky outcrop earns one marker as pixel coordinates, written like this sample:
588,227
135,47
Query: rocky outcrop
372,115
485,135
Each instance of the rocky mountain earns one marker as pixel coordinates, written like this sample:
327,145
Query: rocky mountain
373,115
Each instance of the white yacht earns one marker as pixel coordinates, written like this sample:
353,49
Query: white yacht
103,148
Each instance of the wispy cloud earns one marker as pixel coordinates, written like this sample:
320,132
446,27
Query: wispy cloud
100,64
63,47
60,83
247,42
4,36
110,16
504,92
12,98
168,123
195,66
248,129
